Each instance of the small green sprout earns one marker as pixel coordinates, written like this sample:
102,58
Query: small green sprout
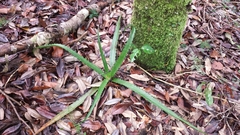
136,52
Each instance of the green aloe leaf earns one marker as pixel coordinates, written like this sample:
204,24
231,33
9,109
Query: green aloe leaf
69,109
102,54
108,76
114,44
123,55
97,97
153,100
79,57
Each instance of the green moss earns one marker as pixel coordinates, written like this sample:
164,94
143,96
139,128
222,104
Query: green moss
159,23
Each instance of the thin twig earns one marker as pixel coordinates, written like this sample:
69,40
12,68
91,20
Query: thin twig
186,89
11,77
177,75
15,110
6,86
10,99
77,39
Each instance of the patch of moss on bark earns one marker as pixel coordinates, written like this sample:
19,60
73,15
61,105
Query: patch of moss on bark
159,23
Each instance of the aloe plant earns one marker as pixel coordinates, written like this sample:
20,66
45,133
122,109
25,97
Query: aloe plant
109,75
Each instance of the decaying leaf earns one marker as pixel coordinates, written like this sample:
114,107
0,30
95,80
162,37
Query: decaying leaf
229,38
12,130
28,74
87,103
45,112
93,125
33,113
207,70
113,101
81,83
1,113
214,54
110,127
119,108
139,77
122,127
57,52
62,132
3,38
63,125
126,93
129,114
217,65
208,66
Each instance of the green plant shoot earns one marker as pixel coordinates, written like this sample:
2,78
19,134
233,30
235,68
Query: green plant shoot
109,76
114,43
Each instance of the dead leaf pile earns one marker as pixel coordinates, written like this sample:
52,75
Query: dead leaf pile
208,58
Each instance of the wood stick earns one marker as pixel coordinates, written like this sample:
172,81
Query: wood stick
43,38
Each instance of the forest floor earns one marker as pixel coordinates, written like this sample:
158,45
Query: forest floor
208,67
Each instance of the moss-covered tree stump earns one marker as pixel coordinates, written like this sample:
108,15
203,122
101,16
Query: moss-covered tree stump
160,24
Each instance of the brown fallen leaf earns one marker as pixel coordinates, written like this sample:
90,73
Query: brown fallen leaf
167,97
64,125
212,126
129,114
92,31
113,101
57,52
126,93
87,104
135,70
214,54
2,114
217,65
45,112
178,68
28,74
93,125
4,10
139,77
110,127
45,85
12,129
34,113
119,108
3,38
180,103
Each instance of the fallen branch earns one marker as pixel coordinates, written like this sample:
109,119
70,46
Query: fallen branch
43,38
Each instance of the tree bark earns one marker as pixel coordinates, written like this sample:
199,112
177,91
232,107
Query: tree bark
160,24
